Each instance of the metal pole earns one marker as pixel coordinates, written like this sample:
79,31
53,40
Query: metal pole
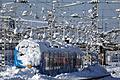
3,49
3,62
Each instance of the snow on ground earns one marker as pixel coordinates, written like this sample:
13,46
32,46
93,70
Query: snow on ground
95,70
114,70
90,72
13,73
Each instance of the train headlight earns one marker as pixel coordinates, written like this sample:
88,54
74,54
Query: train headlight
29,66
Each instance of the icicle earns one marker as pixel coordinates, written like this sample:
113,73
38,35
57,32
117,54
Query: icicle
15,30
31,34
25,13
44,35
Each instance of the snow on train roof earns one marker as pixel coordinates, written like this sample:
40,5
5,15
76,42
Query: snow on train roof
45,46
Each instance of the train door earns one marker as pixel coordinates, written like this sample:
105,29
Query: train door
74,60
46,56
78,61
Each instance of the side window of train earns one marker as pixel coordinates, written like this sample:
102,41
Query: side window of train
0,48
43,55
47,57
51,59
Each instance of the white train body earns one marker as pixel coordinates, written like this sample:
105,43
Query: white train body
49,60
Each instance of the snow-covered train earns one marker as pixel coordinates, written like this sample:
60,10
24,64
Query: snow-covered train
49,60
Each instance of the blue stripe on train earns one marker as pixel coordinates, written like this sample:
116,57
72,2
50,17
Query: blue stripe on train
17,62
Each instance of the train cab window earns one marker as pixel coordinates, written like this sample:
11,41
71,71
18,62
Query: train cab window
21,54
33,46
37,45
22,46
26,46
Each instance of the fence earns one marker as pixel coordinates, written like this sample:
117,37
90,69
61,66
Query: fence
7,54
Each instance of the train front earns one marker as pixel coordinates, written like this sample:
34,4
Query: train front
27,54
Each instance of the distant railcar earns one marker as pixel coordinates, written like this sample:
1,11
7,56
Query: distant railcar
49,60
